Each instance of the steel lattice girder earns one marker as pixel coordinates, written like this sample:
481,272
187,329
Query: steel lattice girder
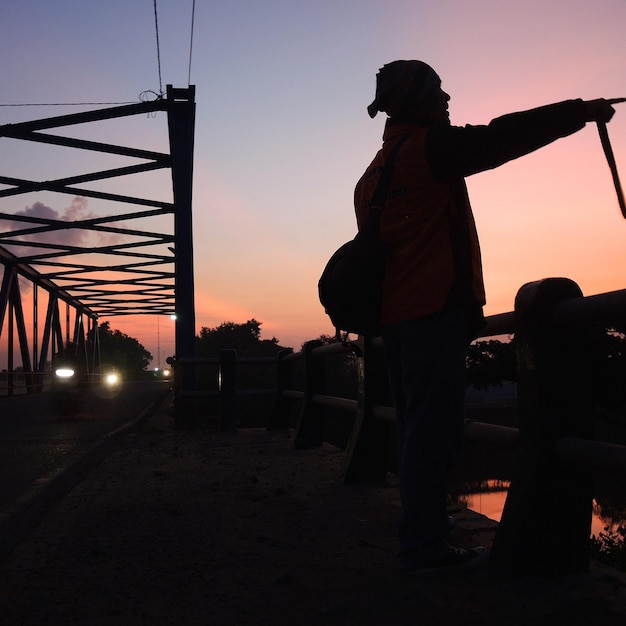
140,270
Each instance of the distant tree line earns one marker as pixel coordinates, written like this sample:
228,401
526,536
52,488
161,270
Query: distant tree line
122,352
492,363
244,338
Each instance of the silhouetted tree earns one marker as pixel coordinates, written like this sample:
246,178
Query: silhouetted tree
121,351
491,363
610,368
324,339
244,338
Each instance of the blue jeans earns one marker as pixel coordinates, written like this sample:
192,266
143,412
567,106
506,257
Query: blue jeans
426,363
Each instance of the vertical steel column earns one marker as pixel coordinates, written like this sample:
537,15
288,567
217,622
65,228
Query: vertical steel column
47,340
37,376
181,109
18,312
7,280
57,332
10,366
94,334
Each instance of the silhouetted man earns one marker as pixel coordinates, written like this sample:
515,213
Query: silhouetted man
433,291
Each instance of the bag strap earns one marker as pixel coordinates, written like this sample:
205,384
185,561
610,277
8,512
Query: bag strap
379,198
608,153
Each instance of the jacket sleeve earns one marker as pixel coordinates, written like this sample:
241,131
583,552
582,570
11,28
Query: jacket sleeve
461,151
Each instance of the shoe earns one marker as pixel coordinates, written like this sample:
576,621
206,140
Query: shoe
455,560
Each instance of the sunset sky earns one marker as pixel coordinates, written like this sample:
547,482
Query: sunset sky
282,131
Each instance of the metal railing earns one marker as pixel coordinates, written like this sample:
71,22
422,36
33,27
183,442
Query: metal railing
226,391
554,328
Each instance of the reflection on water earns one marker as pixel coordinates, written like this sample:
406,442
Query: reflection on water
483,475
489,501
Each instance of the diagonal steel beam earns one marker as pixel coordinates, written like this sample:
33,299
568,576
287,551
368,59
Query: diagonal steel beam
95,146
16,265
18,312
21,186
134,277
10,130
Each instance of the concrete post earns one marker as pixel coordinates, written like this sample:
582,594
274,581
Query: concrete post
546,522
228,390
367,455
310,430
279,419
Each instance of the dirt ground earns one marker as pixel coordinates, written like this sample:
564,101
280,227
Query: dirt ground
241,528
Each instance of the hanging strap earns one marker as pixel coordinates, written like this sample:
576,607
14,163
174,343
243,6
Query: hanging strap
380,195
608,152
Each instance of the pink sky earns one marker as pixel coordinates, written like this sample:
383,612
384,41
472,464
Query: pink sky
283,134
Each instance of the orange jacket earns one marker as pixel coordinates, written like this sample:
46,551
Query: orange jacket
427,228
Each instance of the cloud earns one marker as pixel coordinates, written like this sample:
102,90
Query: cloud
78,210
61,235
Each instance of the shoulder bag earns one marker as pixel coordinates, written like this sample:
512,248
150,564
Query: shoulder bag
351,285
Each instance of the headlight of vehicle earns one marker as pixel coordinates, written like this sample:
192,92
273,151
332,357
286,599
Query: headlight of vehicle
112,379
108,384
64,372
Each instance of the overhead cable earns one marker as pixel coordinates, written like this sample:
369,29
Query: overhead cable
156,24
63,104
193,16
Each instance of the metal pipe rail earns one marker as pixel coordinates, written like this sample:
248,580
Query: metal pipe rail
553,446
491,434
227,391
500,324
338,403
604,307
594,455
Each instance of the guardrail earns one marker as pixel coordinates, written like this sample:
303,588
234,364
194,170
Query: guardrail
546,522
13,383
227,366
554,448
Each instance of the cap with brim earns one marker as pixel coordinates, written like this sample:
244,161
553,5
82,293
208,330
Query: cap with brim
396,80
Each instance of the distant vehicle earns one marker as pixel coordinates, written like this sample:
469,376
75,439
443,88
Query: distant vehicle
163,374
71,383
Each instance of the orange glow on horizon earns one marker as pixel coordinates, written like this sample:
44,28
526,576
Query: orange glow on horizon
276,159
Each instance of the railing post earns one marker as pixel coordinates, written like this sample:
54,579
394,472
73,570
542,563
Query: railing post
228,390
367,454
279,419
310,430
546,521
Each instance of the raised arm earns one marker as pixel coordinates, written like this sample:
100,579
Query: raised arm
462,151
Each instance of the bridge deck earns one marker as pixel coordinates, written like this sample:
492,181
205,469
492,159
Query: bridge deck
241,528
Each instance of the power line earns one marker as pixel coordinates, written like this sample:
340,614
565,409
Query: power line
144,96
193,16
64,104
156,24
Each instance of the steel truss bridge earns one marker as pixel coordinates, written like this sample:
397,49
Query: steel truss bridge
131,255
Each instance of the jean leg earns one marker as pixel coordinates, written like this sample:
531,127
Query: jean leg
426,363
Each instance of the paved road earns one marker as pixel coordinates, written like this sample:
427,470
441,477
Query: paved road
36,442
